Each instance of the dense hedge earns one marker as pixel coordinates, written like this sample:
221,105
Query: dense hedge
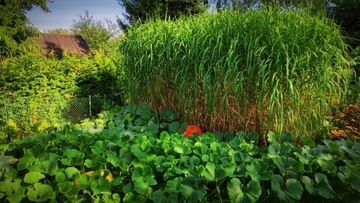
35,89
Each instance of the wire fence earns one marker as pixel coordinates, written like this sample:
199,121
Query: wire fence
51,109
24,116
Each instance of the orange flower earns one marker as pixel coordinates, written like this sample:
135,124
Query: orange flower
191,129
335,101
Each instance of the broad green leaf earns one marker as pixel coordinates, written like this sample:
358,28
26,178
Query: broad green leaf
205,158
323,186
252,191
135,149
6,161
194,160
50,167
349,176
174,127
276,185
40,193
235,192
215,147
326,165
6,187
99,147
112,158
68,188
142,179
116,197
60,177
72,157
252,136
256,169
168,115
142,187
11,173
104,185
159,196
230,169
333,147
327,162
186,190
72,172
285,164
293,188
15,191
288,192
89,163
273,137
220,173
306,140
309,184
173,185
303,158
129,197
165,136
144,111
33,177
209,171
158,161
286,137
150,158
153,127
179,149
25,162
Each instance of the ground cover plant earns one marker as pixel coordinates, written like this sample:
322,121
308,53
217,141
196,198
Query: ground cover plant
133,154
254,71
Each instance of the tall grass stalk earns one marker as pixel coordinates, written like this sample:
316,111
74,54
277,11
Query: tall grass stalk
259,70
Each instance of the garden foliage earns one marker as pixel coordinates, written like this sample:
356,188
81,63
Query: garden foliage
255,71
151,161
35,90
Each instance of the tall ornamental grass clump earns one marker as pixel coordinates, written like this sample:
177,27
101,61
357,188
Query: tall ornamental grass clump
259,70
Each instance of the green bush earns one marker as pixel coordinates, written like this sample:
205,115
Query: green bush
149,164
259,70
35,91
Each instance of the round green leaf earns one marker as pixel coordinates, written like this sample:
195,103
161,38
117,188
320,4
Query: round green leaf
309,184
60,177
294,188
168,115
252,191
33,177
234,190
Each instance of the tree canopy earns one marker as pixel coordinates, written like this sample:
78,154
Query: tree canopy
94,32
14,25
139,11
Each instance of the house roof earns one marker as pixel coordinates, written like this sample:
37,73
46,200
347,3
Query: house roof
60,43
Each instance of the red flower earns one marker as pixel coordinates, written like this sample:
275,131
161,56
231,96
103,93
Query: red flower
191,129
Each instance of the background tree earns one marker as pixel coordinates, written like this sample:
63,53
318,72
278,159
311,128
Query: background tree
347,14
14,25
95,33
59,31
245,4
143,10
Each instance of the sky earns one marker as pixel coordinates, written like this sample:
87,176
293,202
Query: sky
64,12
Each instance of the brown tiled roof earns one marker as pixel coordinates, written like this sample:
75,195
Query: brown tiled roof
60,43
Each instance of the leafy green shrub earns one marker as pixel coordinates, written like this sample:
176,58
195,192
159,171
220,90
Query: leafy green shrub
259,70
150,165
34,90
